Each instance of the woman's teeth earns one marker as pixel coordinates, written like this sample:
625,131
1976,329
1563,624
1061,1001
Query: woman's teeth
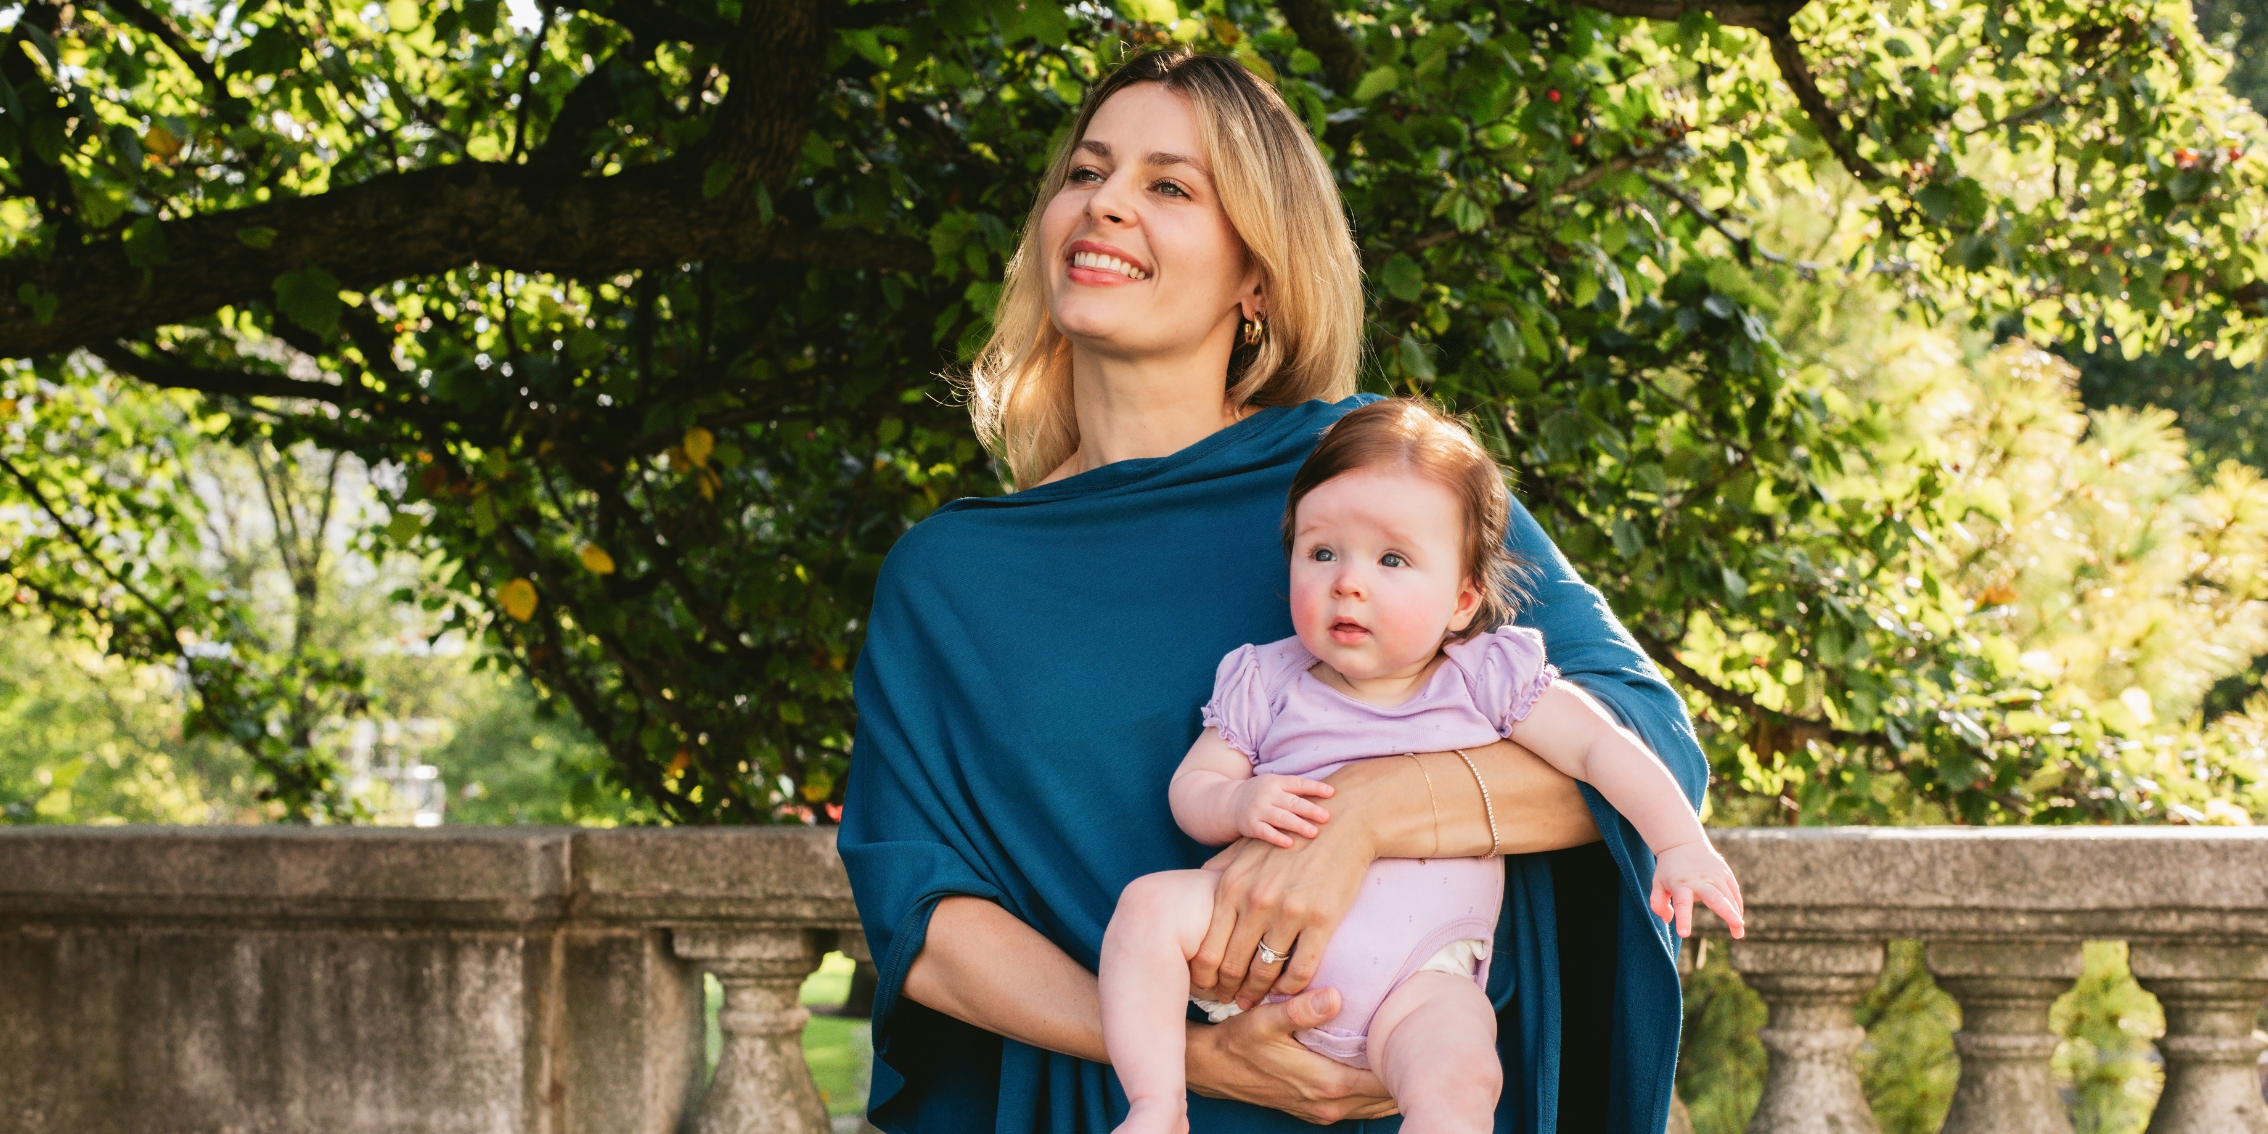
1108,264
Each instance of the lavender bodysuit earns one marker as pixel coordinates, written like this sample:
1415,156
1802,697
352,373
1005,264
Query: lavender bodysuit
1412,914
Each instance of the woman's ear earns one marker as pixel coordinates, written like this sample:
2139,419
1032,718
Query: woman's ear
1468,605
1253,300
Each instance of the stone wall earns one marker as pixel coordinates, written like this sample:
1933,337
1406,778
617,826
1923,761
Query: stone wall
170,981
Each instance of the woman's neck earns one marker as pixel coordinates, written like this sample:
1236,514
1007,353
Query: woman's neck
1134,408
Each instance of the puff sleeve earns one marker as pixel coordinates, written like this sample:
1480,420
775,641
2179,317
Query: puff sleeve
1240,706
1507,673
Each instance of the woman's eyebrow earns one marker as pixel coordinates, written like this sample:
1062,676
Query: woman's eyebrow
1161,157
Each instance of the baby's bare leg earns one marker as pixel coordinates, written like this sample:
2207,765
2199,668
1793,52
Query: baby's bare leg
1433,1042
1160,920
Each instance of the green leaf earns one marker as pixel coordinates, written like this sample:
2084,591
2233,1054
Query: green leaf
310,297
1938,200
484,514
1148,11
1403,278
715,179
1304,62
257,236
144,243
1415,363
1376,82
1627,542
405,526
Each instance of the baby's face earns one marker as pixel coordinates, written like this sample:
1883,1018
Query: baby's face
1377,572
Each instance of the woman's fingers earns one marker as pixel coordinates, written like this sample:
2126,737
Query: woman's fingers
1254,1057
1205,965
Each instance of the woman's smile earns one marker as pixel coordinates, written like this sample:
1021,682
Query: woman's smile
1096,263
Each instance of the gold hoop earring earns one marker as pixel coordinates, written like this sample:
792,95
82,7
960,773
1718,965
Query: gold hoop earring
1255,329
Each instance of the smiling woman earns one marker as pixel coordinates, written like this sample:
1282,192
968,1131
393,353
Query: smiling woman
1194,189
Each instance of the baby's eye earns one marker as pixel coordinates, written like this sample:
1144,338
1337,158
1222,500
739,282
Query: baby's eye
1391,559
1323,555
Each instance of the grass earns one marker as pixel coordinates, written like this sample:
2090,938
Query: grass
837,1049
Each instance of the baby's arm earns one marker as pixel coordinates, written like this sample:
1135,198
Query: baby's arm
1218,800
1575,735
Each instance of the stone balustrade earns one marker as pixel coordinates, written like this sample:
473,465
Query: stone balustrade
164,981
454,981
2002,914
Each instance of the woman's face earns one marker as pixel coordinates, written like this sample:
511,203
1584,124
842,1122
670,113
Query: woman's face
1141,259
1378,572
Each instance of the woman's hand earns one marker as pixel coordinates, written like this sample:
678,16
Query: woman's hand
1289,899
1293,898
1253,1058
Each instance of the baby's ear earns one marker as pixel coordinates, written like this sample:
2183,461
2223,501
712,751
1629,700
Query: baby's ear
1468,607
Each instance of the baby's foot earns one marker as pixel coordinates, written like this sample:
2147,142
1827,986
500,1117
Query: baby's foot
1156,1116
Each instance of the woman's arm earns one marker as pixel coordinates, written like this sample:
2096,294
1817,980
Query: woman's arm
982,965
1383,808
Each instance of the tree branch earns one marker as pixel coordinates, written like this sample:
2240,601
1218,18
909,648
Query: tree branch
1772,18
165,31
1789,55
423,222
1317,27
175,374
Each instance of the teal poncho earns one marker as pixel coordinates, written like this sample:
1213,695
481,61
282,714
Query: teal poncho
1031,678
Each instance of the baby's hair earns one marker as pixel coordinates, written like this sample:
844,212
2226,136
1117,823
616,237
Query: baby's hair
1414,434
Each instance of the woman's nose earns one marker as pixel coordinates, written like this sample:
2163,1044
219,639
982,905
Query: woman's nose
1113,201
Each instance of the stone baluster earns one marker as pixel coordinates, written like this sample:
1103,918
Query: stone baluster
2005,989
762,1085
2211,993
1812,1085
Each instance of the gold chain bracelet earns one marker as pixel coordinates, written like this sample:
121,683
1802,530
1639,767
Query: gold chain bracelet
1431,801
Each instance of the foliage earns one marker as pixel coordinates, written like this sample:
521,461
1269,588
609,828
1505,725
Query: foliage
643,304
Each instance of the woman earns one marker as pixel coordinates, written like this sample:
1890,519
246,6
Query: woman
1181,321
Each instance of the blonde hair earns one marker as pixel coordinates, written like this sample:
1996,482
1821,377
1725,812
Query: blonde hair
1414,434
1282,201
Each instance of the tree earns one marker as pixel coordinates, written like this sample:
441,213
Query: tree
643,304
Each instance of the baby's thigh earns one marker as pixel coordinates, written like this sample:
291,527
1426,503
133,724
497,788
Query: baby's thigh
1173,903
1438,1022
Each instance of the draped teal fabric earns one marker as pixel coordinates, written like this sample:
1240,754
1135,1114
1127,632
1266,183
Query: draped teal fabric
1031,678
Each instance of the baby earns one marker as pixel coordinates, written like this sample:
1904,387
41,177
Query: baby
1400,585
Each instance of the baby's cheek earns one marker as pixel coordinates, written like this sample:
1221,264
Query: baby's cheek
1310,607
1410,623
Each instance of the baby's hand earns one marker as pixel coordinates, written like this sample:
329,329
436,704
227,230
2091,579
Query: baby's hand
1271,808
1693,871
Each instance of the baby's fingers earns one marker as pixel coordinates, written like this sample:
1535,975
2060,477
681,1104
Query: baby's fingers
1305,810
1659,902
1260,829
1682,896
1727,906
1301,785
1284,821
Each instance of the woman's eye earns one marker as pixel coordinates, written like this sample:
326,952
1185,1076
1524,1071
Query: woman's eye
1170,189
1085,174
1392,560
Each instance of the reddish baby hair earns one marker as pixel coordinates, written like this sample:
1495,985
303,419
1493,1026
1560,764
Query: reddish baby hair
1413,434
